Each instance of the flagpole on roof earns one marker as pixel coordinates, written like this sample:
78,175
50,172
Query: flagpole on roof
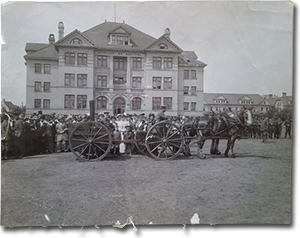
115,11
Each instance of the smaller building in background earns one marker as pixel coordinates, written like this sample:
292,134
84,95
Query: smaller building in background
219,102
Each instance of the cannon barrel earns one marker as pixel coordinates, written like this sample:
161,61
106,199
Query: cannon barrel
92,110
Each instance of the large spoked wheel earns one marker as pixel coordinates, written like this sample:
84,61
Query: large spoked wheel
164,141
90,141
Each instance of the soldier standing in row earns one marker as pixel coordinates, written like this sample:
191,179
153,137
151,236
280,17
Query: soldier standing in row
288,126
18,139
264,128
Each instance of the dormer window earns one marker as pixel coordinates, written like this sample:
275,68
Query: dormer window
76,41
245,102
119,40
162,46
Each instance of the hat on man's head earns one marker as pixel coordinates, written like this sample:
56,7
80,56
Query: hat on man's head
163,107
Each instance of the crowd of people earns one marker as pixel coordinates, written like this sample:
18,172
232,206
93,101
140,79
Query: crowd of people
24,135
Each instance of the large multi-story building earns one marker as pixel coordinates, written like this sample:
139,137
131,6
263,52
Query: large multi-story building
118,66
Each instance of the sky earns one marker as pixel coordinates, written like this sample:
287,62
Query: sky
247,46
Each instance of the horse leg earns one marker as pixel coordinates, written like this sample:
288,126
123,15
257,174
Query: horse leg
228,147
231,147
217,152
213,146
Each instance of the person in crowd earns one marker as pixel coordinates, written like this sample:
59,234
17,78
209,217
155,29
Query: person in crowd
18,138
288,126
264,126
128,135
116,141
61,134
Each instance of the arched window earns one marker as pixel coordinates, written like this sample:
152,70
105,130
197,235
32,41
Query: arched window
136,103
162,46
101,102
76,41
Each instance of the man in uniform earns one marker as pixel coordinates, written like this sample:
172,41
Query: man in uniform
288,125
160,116
18,139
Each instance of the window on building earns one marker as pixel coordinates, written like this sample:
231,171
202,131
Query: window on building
156,82
162,46
156,64
37,86
193,74
168,102
136,103
185,90
185,106
136,82
217,109
82,59
69,58
69,101
47,68
101,102
76,41
193,106
119,63
37,103
46,86
102,61
46,103
156,103
81,80
81,101
167,83
262,109
101,81
70,80
193,91
120,40
186,74
137,63
38,68
168,63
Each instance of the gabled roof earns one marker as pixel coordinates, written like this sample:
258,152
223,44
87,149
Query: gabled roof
32,47
120,30
286,100
188,58
75,34
99,35
9,105
166,40
232,98
48,53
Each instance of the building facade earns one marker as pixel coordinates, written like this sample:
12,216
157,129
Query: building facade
219,102
260,104
123,69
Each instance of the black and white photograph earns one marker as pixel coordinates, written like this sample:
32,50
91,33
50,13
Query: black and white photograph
127,113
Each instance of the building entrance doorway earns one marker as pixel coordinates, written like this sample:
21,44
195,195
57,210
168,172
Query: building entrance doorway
119,106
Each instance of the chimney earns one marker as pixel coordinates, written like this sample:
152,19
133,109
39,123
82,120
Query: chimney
167,33
283,94
61,29
51,39
270,95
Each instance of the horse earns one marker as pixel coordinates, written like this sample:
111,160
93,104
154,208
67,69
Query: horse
226,125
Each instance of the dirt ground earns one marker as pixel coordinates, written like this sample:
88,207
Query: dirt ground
56,190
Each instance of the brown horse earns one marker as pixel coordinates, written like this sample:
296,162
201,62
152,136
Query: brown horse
226,125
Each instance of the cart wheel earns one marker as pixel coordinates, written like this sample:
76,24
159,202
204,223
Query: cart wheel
201,154
90,141
164,141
